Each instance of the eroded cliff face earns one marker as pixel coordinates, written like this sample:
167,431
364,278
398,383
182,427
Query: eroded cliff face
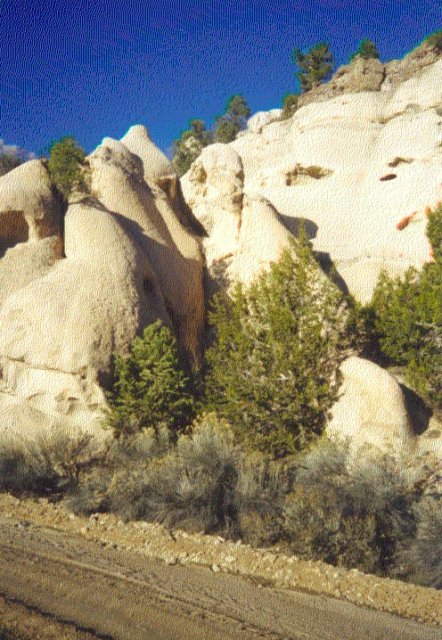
358,164
70,299
354,166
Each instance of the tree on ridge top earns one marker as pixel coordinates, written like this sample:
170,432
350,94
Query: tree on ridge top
367,50
315,66
233,121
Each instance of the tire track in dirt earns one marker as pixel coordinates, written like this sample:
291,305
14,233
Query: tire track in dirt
126,595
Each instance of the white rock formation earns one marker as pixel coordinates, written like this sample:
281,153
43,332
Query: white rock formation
118,182
27,261
155,163
127,262
258,120
244,233
371,410
359,157
28,210
353,166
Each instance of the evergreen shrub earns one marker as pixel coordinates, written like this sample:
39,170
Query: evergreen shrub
272,371
408,318
150,386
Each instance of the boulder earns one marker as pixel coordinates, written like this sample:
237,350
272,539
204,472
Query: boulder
359,75
58,333
215,180
28,208
261,241
411,65
371,410
26,262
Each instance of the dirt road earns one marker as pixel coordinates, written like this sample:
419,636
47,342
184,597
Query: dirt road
116,594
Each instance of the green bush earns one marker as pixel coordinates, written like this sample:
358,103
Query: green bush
367,49
289,105
150,387
233,121
66,159
408,319
262,486
434,232
356,517
435,40
204,482
318,505
315,66
421,557
92,494
192,486
272,370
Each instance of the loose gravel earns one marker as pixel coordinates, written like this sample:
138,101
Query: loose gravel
177,547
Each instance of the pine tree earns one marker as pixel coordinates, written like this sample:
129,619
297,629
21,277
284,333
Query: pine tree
315,66
189,146
65,164
233,121
150,387
272,369
367,49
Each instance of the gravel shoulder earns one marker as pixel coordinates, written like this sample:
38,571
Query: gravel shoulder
119,580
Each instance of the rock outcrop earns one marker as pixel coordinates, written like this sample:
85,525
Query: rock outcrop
421,57
243,231
127,262
357,164
28,208
352,167
118,182
360,154
260,119
26,262
359,75
371,410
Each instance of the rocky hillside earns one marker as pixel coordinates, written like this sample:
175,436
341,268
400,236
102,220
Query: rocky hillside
358,163
359,159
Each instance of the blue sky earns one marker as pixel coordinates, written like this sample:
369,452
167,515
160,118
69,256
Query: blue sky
92,68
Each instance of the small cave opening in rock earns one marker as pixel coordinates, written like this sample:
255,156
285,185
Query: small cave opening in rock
399,160
312,171
389,176
13,229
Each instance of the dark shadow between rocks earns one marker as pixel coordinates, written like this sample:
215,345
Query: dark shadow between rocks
294,225
329,268
13,230
418,411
